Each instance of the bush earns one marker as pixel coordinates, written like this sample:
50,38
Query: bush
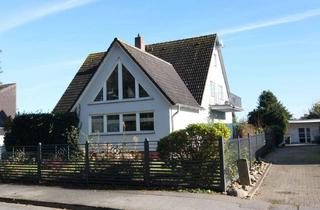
197,142
30,129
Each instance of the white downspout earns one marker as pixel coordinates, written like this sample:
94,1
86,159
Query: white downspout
172,122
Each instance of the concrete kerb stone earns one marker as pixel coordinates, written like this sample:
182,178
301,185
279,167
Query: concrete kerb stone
52,204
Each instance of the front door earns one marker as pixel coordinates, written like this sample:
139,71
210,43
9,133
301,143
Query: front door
304,135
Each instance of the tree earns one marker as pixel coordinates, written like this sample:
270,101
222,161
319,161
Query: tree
314,112
271,116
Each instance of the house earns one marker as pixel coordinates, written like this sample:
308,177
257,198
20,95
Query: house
147,91
303,131
7,105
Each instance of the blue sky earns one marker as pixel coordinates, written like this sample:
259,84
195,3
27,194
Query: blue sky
269,45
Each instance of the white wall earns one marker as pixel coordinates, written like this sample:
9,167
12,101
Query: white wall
1,140
158,104
215,75
187,116
293,130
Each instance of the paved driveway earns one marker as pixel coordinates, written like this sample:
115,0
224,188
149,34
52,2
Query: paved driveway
294,177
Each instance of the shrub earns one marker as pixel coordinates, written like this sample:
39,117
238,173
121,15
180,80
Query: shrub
197,142
30,129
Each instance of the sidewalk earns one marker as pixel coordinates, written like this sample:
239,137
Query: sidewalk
126,199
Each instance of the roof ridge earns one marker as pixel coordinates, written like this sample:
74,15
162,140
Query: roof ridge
184,39
149,54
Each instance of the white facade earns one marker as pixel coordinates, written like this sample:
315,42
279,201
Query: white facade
167,117
304,131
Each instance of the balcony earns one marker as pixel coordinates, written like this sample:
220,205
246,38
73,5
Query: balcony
232,105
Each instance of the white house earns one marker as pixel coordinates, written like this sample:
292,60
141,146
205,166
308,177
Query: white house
303,131
147,91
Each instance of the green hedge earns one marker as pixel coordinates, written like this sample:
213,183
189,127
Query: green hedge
47,128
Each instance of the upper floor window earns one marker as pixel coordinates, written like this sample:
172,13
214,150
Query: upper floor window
128,84
112,85
99,97
121,84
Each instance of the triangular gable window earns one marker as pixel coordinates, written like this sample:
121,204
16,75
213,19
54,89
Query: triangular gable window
142,92
99,97
112,85
128,84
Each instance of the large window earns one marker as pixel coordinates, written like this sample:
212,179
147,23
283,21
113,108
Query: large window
116,123
97,124
129,122
113,123
146,121
112,86
128,84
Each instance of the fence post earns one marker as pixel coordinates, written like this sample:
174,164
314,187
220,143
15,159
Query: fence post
222,175
39,161
146,174
87,159
239,152
249,145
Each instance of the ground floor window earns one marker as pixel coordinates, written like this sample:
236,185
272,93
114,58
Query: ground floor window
97,124
122,122
146,121
113,123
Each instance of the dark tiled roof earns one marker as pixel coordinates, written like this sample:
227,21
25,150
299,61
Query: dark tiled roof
6,85
79,82
163,75
191,59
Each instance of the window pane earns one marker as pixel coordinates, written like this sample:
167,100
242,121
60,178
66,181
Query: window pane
99,97
129,121
212,87
146,121
97,124
112,86
142,92
128,84
113,123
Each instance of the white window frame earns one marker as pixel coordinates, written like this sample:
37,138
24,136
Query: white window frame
121,131
120,87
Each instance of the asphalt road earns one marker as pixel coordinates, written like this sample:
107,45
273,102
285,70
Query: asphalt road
11,206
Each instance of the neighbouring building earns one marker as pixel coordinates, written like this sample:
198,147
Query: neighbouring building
303,131
7,105
147,91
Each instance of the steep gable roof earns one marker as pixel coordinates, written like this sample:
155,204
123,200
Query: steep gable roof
191,59
163,75
79,82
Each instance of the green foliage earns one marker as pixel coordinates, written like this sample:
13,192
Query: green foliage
30,129
196,142
314,112
270,115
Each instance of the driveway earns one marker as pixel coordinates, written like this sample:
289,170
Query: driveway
294,177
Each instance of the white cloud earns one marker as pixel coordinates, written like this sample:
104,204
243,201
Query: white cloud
33,14
283,20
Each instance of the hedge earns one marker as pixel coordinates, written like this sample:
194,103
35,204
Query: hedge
47,128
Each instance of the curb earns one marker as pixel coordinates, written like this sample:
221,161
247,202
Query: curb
52,204
254,190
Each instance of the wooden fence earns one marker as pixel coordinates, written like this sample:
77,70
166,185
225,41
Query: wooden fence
112,164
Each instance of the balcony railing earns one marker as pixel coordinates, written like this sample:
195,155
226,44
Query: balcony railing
235,100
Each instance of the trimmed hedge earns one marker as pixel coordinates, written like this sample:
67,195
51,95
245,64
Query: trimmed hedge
47,128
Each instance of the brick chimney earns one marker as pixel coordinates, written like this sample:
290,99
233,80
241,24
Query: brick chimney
139,42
